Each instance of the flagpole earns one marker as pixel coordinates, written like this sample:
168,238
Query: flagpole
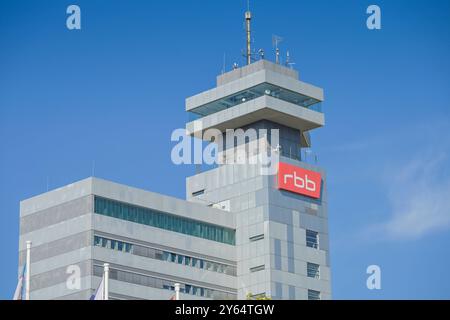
177,291
27,272
106,284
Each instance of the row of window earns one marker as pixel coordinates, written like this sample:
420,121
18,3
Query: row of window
253,93
164,255
200,292
312,269
154,282
199,263
113,244
163,220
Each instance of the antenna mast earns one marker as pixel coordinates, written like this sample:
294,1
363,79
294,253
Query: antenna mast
248,19
275,42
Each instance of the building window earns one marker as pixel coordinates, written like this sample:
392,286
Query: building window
164,255
312,239
278,290
149,281
198,193
313,295
112,244
313,270
257,237
313,210
258,268
157,219
291,293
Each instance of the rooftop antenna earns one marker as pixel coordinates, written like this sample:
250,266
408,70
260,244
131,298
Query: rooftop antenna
248,19
288,61
275,42
261,53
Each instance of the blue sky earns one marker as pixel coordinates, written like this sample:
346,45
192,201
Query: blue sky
112,92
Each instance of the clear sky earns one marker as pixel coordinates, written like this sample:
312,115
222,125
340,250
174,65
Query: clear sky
112,93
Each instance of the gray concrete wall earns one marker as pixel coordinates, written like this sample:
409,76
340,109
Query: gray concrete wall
61,225
282,218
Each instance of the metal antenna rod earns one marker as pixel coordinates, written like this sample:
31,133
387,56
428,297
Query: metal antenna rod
248,19
276,41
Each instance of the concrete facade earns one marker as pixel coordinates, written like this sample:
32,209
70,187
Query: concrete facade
62,224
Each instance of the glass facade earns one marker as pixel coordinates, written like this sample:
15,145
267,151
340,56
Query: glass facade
253,93
150,217
155,282
157,254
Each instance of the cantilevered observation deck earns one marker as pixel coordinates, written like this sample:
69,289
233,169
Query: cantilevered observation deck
260,91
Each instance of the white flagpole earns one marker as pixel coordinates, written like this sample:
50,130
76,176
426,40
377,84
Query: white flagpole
106,283
27,274
177,291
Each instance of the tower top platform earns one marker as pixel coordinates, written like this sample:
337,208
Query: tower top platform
262,90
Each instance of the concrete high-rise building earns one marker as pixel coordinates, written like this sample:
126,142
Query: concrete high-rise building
240,231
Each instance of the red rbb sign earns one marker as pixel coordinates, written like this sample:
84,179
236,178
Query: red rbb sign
299,180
